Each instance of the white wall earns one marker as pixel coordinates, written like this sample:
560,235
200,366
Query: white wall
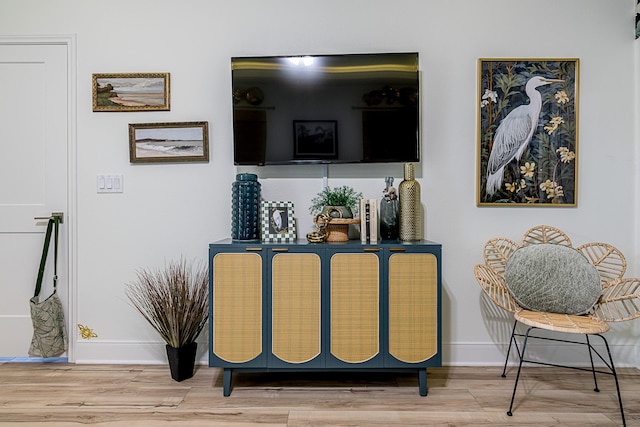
171,210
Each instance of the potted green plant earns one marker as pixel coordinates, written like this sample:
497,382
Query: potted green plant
174,300
337,202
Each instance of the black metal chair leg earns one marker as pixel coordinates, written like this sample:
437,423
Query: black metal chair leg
593,369
513,337
521,355
615,377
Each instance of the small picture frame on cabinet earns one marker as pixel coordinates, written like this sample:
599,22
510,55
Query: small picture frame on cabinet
278,223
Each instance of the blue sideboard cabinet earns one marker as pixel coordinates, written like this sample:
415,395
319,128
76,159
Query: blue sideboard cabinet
327,306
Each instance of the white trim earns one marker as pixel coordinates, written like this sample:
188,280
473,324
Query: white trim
96,351
490,354
73,191
130,352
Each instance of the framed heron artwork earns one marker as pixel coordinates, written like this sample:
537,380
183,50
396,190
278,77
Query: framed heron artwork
527,132
277,221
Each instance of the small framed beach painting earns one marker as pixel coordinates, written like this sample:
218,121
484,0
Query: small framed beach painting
278,223
169,142
131,92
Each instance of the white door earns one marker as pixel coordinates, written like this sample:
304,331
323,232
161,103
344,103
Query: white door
34,144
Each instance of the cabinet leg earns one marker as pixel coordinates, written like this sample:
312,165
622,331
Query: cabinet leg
226,382
422,381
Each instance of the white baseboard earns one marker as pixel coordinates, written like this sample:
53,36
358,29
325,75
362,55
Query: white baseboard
454,354
491,354
129,352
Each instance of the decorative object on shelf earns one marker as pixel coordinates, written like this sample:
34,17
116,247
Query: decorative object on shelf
245,207
278,223
341,201
368,221
131,92
389,227
175,302
337,227
320,235
338,204
169,142
409,206
520,164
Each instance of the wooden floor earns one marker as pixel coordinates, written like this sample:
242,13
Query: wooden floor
56,394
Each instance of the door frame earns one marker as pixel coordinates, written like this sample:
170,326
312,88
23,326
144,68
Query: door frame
70,223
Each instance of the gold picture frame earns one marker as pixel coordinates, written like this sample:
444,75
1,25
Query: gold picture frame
527,132
169,142
131,92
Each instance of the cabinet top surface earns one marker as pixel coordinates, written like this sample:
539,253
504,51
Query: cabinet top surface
304,242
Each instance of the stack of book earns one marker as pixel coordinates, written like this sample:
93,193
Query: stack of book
369,221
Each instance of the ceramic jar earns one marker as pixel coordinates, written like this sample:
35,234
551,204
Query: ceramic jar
245,207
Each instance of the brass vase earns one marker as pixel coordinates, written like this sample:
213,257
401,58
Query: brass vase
409,206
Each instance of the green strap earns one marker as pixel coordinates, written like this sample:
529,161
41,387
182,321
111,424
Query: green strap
43,260
56,221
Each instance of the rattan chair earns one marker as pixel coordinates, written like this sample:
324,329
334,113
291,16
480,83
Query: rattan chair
619,301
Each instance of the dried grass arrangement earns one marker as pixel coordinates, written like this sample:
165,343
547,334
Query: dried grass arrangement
174,300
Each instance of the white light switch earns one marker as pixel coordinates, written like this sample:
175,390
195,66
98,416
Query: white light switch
110,183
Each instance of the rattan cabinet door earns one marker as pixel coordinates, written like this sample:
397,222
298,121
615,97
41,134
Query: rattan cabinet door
413,306
295,307
355,307
237,307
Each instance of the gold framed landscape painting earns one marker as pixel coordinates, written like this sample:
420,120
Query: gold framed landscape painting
169,142
131,92
527,132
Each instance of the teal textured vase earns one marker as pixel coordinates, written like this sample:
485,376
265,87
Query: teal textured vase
245,207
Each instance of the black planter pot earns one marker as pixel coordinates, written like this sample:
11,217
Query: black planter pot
182,361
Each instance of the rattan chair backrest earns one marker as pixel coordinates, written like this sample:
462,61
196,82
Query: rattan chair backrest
545,234
495,287
497,251
608,260
620,301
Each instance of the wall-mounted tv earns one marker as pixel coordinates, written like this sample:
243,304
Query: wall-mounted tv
351,108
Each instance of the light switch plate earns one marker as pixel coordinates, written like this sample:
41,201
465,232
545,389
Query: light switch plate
110,183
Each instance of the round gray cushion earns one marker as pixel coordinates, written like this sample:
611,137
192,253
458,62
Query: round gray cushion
552,278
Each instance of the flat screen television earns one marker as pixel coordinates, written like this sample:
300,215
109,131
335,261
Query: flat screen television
351,108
